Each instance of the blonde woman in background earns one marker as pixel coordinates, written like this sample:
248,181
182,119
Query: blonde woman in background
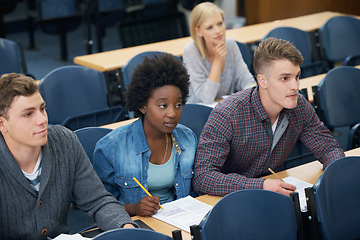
214,62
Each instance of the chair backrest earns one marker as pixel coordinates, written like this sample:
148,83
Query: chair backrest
73,90
157,21
246,54
112,5
128,69
132,234
96,118
89,136
340,37
54,9
11,58
339,98
302,41
194,116
337,194
251,214
299,38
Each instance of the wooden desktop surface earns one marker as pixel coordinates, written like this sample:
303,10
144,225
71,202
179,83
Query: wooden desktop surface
115,59
309,172
119,124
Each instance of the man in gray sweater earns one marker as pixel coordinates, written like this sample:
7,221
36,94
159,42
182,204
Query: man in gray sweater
42,168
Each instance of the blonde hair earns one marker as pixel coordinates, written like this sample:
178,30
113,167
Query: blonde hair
198,16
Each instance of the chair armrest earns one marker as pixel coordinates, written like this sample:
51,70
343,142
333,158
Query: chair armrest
96,118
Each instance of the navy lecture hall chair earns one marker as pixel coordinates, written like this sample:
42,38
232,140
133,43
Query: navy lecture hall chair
246,54
128,69
89,136
150,21
54,17
76,97
194,116
337,97
339,38
132,234
12,57
302,41
103,14
334,201
251,214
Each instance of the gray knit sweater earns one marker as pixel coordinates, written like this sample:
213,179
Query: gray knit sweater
66,172
235,76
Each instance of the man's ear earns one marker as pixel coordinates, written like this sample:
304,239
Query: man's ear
262,81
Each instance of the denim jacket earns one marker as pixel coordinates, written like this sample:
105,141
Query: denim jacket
124,153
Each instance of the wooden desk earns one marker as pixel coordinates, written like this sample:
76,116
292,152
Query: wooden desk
309,172
119,124
308,83
113,60
255,32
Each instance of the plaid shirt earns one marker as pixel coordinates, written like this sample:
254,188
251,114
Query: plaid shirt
235,146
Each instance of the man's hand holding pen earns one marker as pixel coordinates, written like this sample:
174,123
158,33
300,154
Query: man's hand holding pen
279,186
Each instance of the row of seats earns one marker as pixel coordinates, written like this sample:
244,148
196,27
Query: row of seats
76,96
332,204
259,214
336,41
135,19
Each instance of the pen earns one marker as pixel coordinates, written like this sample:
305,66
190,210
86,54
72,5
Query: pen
275,174
90,230
144,189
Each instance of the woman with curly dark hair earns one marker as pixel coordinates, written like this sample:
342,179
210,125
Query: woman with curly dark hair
154,149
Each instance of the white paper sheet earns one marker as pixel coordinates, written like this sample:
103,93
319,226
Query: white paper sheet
70,237
183,212
300,188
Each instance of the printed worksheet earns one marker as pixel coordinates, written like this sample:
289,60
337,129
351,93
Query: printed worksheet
183,213
70,237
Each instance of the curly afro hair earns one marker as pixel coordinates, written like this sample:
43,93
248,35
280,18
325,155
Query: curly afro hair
153,73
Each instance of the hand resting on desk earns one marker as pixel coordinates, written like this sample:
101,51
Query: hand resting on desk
147,206
276,185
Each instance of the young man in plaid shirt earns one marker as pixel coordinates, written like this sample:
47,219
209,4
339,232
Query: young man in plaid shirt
256,129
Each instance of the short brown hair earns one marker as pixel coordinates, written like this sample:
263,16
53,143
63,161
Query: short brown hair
272,49
12,85
198,16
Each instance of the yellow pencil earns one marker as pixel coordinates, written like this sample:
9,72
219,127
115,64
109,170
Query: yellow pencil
90,230
144,189
275,174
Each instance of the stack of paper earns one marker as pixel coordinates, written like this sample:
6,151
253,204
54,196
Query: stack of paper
183,212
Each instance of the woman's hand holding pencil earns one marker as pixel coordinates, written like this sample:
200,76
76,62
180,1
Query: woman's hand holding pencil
148,205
